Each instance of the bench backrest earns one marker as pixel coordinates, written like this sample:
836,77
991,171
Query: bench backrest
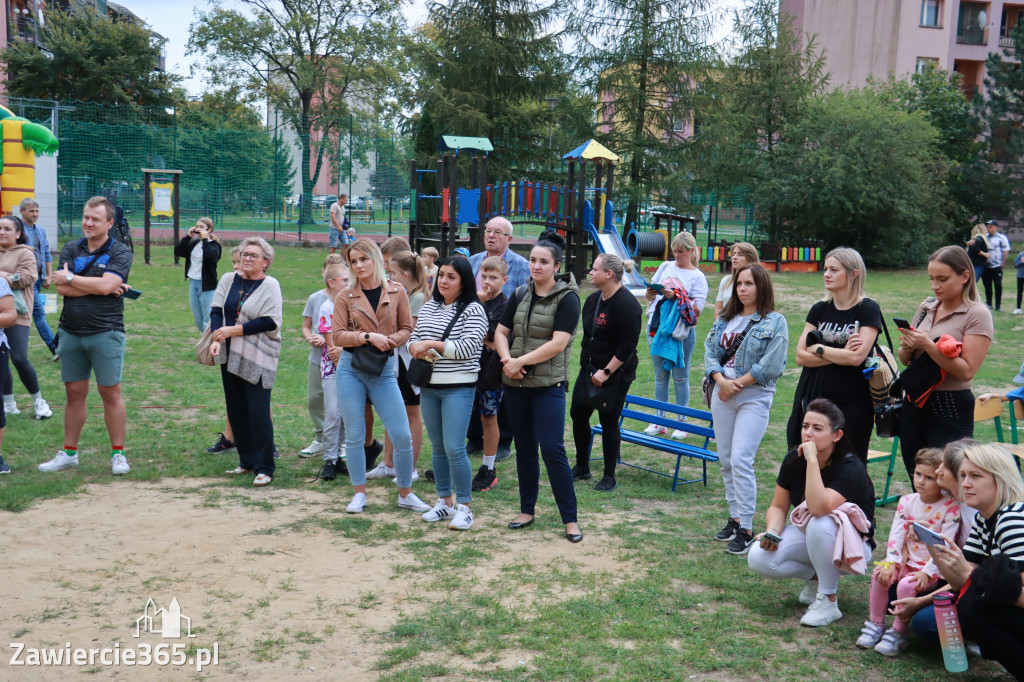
644,410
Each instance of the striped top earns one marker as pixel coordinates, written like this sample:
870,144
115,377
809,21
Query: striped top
460,363
1002,534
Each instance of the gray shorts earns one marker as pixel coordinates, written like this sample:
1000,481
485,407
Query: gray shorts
101,353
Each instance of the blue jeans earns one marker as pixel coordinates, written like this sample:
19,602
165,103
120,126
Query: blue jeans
200,302
39,316
537,416
353,389
680,375
446,413
923,624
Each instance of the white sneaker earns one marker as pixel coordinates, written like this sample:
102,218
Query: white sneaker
655,430
679,435
357,504
119,465
439,512
415,476
43,410
809,593
463,518
870,635
60,462
312,450
1016,311
821,612
382,470
892,643
11,407
410,501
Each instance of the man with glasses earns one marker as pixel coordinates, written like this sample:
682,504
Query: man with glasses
497,239
92,278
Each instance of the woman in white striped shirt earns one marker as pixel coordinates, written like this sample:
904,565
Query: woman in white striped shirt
446,402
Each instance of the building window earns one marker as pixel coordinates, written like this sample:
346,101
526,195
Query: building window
931,13
924,62
972,28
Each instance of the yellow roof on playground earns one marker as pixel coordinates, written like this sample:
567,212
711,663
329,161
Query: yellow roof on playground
591,149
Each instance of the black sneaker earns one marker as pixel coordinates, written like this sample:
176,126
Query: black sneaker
222,445
581,474
606,484
329,471
729,532
484,480
373,451
504,452
429,474
4,469
741,542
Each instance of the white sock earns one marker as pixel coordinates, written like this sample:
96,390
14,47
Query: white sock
9,399
489,461
36,396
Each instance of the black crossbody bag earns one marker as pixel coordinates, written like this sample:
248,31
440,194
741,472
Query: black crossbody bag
420,371
708,386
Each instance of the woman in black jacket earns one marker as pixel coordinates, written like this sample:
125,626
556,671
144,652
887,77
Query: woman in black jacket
611,331
201,250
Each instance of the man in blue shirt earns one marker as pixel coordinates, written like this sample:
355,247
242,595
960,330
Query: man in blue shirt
35,237
497,239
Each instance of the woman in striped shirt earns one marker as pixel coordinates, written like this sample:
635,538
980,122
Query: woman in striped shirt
446,402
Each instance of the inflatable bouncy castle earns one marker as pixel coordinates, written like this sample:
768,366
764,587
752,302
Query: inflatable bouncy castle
22,140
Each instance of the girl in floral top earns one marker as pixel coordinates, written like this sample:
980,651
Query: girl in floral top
907,562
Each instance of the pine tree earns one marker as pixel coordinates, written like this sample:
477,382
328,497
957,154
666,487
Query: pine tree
1001,112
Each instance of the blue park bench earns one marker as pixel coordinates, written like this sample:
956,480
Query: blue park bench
644,411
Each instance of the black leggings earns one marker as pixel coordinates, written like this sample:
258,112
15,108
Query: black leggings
611,440
993,278
17,337
946,417
1020,290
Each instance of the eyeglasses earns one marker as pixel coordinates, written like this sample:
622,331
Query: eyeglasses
497,232
251,256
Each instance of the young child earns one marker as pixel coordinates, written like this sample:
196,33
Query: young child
1018,263
493,275
430,255
907,562
314,385
336,278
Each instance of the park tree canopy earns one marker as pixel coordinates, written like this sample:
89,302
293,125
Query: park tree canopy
318,62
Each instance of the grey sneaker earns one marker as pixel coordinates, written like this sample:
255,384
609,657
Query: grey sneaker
870,635
893,643
4,468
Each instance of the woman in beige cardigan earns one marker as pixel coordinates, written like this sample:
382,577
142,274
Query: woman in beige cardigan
18,267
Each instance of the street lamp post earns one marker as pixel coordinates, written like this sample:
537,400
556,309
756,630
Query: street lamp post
552,103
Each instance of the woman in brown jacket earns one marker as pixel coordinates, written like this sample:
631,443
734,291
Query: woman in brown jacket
18,267
371,319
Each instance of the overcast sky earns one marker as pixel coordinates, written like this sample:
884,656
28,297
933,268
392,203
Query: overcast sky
172,20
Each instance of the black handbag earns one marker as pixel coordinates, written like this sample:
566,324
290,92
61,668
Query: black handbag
887,419
369,360
600,398
420,371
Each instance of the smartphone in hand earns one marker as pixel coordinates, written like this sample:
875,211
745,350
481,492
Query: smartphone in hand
927,535
132,294
901,323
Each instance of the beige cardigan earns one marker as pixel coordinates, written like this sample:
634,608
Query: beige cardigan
19,259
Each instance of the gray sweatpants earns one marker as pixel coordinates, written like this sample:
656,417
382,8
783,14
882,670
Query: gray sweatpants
740,423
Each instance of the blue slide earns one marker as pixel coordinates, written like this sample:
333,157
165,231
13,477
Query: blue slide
609,241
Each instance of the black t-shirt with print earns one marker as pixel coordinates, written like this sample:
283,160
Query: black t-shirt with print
836,326
847,476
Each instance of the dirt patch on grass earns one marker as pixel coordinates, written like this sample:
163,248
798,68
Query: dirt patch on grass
281,596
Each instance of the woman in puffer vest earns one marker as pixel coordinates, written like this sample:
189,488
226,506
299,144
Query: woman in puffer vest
534,342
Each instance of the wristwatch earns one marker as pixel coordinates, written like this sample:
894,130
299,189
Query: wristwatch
69,277
606,371
366,337
820,350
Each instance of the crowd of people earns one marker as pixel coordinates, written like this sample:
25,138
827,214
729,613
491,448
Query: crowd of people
477,352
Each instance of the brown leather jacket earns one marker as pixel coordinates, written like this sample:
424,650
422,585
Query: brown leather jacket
354,316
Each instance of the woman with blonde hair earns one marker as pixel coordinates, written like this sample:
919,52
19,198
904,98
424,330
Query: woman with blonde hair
955,309
681,273
977,249
202,251
838,334
741,254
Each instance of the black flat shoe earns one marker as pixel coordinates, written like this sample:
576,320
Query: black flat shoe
574,537
516,525
580,474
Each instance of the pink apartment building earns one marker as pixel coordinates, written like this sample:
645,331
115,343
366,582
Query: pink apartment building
875,37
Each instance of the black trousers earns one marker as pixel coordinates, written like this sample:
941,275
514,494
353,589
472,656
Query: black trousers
993,277
999,631
249,411
611,439
946,417
1020,290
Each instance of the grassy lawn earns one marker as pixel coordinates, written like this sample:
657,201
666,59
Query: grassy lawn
676,607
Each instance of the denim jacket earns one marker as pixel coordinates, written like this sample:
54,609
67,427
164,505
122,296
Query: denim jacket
762,353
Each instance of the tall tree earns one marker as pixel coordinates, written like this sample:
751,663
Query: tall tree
641,58
747,102
1001,113
91,59
316,61
486,67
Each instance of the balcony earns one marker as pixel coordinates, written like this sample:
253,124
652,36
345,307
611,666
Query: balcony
972,35
24,27
969,90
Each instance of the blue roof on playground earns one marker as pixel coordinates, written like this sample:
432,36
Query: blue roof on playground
591,149
454,142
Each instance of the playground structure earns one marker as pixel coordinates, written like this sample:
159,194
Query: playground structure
568,208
